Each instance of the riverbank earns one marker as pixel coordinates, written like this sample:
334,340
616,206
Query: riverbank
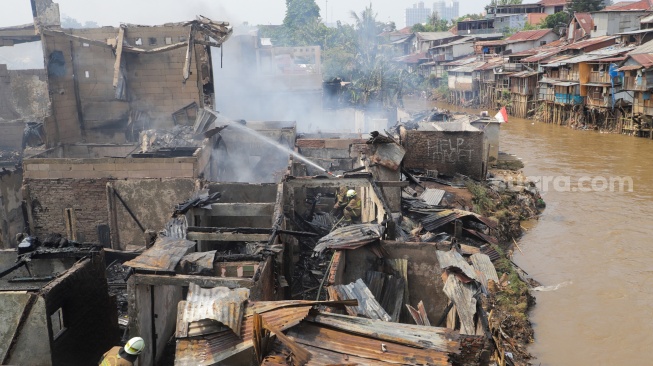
509,199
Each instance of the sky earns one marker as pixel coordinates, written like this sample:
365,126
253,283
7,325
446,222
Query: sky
151,12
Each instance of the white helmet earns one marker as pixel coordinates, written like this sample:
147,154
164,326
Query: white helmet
135,346
351,193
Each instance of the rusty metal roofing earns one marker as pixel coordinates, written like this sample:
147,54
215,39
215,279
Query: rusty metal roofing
220,304
162,256
371,350
213,348
484,267
441,218
350,237
470,67
645,60
491,64
589,42
630,67
541,56
460,62
530,35
628,6
433,196
585,21
435,338
524,74
451,259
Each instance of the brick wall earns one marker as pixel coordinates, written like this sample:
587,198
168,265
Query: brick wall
447,152
47,200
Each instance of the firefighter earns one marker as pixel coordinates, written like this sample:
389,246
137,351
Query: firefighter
341,201
124,356
352,212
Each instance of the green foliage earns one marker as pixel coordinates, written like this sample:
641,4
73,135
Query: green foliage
556,20
300,13
433,24
583,6
529,26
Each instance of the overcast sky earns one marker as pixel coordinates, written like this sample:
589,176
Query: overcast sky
113,12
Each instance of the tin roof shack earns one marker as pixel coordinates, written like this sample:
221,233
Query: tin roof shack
106,194
449,148
638,80
56,309
164,273
108,82
620,17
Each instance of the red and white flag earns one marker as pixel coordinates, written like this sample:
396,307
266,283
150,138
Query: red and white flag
502,116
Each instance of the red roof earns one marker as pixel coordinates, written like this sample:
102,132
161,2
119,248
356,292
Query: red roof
590,42
585,21
644,59
552,2
530,35
629,5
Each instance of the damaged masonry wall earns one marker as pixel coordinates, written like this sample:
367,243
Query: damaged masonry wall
81,66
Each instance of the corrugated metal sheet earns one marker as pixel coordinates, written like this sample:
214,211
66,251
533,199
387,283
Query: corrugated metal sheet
441,218
462,61
530,35
220,304
462,295
326,340
451,259
588,42
631,67
213,348
490,252
524,74
484,267
162,256
628,6
435,338
432,196
645,60
482,236
351,237
434,36
367,306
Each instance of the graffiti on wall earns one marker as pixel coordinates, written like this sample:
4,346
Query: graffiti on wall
449,150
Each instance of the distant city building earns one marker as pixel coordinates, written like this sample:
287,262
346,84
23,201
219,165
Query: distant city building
418,14
447,10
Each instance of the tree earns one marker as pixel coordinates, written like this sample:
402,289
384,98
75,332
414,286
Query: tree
300,12
584,6
556,20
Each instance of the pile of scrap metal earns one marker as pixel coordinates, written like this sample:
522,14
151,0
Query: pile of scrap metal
153,141
433,224
215,325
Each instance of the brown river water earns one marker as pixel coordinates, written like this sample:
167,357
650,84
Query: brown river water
592,247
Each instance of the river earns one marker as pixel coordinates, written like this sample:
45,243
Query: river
596,243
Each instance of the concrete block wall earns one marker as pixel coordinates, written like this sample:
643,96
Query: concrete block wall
155,84
118,168
447,152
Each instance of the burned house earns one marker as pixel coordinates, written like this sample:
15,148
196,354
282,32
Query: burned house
446,148
56,309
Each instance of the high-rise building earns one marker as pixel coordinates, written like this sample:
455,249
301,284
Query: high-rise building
447,10
417,14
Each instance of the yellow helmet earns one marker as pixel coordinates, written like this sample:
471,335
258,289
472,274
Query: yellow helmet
351,193
135,346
